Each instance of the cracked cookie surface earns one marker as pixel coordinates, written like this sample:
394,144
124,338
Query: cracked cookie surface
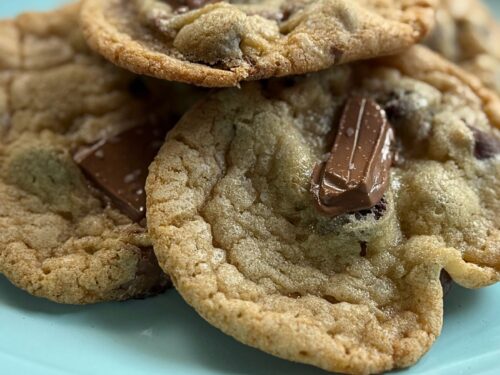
220,43
60,238
234,223
466,32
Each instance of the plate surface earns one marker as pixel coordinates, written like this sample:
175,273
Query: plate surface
163,335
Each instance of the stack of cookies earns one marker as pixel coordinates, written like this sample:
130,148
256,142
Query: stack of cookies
316,209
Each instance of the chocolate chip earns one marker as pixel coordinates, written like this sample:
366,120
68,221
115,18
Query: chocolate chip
356,174
486,146
364,248
118,166
410,112
403,107
394,108
285,15
446,281
149,277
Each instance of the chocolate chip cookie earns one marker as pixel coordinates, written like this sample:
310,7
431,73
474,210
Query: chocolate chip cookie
76,137
220,43
311,216
466,32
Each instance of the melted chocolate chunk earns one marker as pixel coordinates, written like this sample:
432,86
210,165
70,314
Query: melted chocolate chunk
119,165
356,174
486,145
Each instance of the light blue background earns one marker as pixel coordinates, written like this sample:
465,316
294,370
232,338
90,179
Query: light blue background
163,335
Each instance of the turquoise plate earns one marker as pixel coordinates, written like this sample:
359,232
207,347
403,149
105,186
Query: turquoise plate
163,335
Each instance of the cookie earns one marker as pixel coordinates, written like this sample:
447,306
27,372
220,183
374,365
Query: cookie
74,131
310,217
466,32
219,43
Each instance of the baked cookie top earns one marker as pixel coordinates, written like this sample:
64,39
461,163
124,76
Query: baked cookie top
466,32
220,43
251,209
66,232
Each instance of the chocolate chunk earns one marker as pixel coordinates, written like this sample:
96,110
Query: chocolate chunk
446,281
356,174
149,277
395,107
402,105
486,145
363,248
119,166
409,112
285,14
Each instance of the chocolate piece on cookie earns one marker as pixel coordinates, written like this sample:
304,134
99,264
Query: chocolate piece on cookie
220,43
356,174
62,235
466,32
234,221
486,144
119,166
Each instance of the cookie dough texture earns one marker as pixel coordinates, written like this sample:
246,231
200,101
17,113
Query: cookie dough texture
467,32
222,43
233,222
59,237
